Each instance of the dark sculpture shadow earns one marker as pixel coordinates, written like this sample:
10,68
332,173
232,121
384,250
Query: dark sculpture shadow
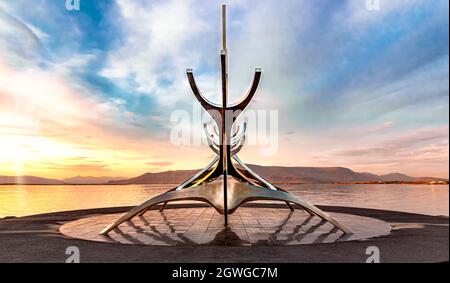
285,233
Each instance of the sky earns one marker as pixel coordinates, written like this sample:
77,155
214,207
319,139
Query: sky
91,92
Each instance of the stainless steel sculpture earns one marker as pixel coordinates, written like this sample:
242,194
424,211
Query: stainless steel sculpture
223,184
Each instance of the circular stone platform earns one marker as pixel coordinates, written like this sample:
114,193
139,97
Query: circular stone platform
248,226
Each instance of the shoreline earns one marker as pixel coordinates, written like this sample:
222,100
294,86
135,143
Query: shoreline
277,183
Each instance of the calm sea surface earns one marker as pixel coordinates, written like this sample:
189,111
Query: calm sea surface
27,200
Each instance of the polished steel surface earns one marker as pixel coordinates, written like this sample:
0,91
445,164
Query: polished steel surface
223,184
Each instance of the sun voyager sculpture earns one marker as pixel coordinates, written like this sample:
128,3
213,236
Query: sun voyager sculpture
226,182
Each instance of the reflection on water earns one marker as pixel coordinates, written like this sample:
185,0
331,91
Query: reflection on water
422,199
28,200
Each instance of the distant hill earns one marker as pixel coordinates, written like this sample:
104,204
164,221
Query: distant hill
84,180
33,180
281,174
275,174
167,177
285,175
399,177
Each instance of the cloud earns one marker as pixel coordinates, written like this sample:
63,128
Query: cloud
44,93
155,50
80,167
159,163
18,42
398,143
417,152
353,87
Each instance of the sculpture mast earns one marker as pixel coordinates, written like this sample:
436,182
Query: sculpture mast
225,143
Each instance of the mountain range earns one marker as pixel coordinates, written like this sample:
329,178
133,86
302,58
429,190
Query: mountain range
286,175
275,174
89,180
32,180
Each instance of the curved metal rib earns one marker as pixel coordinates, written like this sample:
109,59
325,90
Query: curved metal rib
312,209
211,136
204,173
213,144
215,136
214,148
166,197
246,100
206,104
234,150
238,146
216,130
200,174
236,131
253,174
239,133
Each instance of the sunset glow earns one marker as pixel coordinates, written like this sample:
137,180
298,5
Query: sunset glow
90,92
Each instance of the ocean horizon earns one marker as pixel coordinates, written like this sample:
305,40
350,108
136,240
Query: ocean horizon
24,200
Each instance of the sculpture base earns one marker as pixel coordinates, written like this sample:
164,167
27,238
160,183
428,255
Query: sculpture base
248,226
